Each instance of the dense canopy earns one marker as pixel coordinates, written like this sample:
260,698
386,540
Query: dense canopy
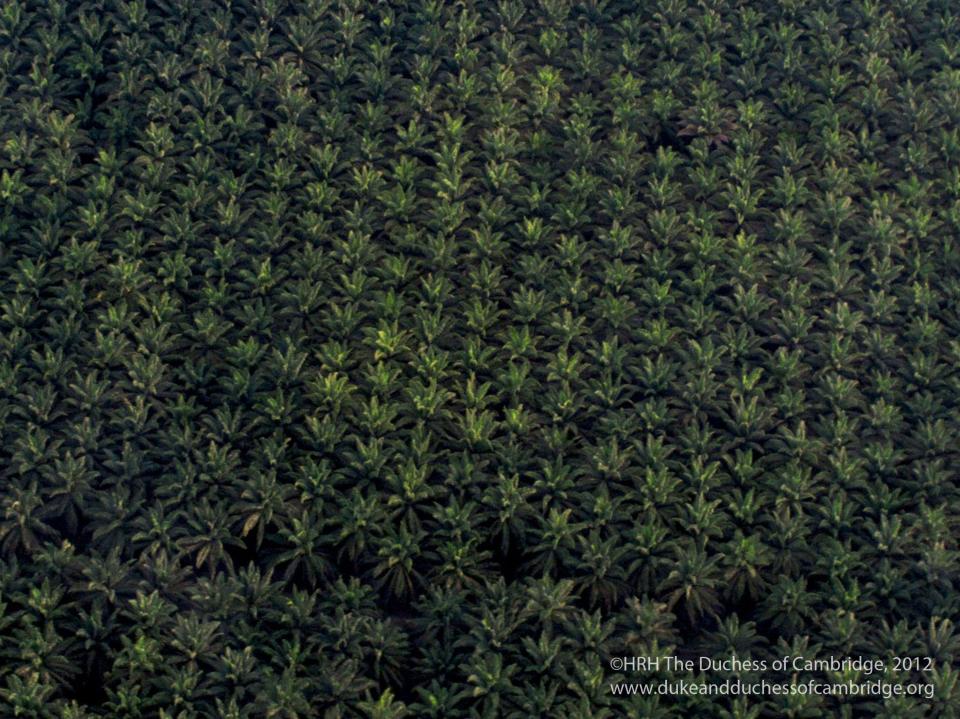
418,358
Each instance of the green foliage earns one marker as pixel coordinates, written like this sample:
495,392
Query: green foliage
413,359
